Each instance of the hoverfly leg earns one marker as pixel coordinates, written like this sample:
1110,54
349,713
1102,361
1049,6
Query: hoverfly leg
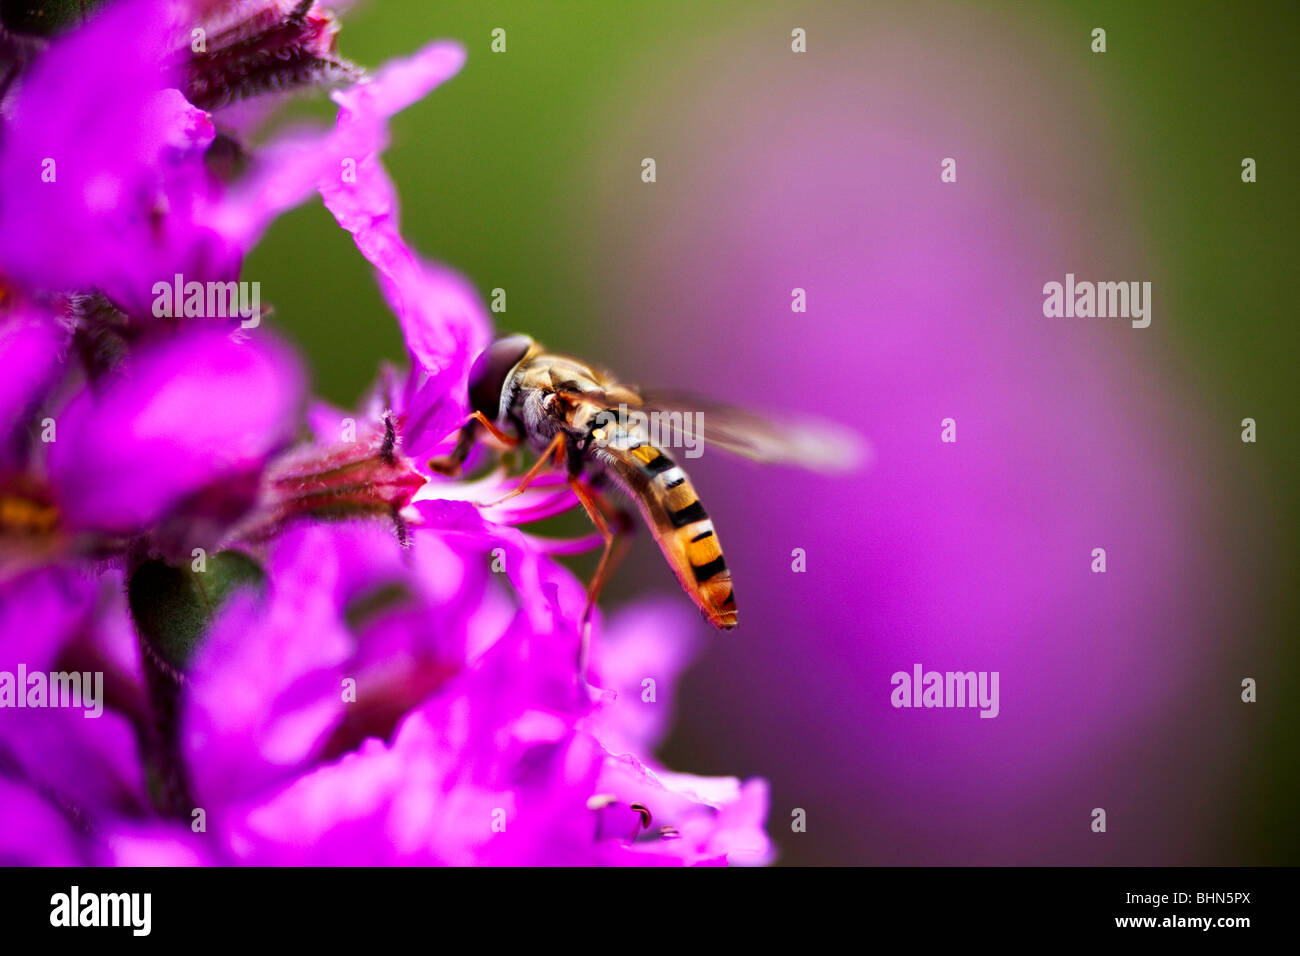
613,524
554,449
492,430
450,464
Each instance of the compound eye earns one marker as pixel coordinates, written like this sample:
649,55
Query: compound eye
487,377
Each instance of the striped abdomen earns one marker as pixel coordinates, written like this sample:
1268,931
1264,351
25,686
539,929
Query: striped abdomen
678,521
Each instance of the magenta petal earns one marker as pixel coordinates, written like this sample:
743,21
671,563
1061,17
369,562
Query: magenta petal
442,318
266,687
130,843
34,833
31,345
487,772
283,174
39,612
109,158
89,762
334,815
105,185
439,312
546,591
326,421
714,818
183,415
400,83
726,816
651,641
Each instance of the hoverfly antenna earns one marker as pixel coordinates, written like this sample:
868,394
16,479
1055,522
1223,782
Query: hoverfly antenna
491,370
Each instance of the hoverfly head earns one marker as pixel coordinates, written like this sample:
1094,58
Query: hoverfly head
491,372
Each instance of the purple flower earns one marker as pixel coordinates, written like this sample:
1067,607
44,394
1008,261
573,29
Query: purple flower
463,737
108,187
442,319
312,649
170,449
31,344
181,416
489,765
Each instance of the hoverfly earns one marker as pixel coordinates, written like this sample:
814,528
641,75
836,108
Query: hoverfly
574,417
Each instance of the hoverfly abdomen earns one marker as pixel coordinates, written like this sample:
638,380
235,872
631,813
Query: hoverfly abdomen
682,527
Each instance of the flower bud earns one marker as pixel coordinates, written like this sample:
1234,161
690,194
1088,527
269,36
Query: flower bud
262,50
370,477
173,605
44,18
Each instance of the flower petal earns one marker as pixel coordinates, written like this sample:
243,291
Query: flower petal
31,346
651,641
183,415
266,687
103,166
442,318
35,833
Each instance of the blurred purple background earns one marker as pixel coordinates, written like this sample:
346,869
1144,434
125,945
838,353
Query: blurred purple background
925,302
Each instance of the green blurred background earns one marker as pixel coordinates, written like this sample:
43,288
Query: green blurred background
495,176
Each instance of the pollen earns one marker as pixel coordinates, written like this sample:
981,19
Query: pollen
25,515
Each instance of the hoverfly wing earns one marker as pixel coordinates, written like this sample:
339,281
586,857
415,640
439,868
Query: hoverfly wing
787,439
804,441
